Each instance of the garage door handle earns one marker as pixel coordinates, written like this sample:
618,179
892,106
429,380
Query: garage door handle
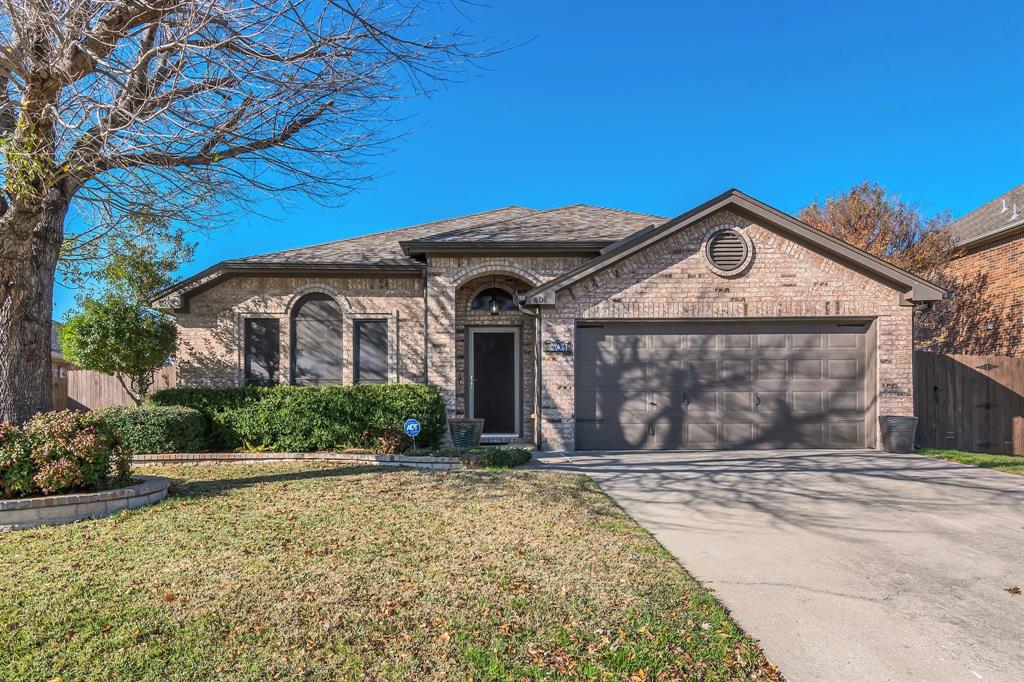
757,399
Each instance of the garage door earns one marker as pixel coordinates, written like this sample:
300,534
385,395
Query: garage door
737,385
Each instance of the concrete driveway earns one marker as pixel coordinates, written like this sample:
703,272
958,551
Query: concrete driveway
846,565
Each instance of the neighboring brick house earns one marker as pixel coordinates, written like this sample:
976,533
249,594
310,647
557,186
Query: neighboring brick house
731,326
984,314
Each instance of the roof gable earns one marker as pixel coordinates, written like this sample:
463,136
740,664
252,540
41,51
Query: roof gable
915,288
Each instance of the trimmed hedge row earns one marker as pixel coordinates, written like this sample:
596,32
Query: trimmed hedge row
308,418
155,428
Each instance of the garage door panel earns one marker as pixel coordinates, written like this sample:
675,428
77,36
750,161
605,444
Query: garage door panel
700,372
702,402
721,385
772,341
738,434
669,341
702,342
806,370
772,402
845,341
843,369
741,371
736,341
806,341
844,402
611,436
702,435
738,401
846,434
606,405
790,435
771,369
808,403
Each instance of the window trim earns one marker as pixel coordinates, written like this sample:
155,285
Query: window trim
244,346
393,327
357,348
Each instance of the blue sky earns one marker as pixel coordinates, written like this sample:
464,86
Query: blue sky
658,106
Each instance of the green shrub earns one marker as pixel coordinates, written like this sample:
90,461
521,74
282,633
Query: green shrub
156,428
216,405
307,418
60,452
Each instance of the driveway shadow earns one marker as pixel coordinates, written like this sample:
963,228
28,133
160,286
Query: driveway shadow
817,490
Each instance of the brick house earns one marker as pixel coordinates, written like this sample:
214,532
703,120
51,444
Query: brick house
984,314
732,325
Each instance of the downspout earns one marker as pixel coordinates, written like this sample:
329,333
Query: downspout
426,328
538,441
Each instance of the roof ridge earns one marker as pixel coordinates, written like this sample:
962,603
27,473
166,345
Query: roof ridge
381,232
623,210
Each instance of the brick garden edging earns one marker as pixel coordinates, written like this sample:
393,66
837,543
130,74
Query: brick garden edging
431,463
54,510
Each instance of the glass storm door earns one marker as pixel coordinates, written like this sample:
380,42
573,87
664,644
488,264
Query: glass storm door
494,379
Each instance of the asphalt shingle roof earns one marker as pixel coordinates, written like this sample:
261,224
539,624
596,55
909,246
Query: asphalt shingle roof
579,222
990,217
380,248
508,224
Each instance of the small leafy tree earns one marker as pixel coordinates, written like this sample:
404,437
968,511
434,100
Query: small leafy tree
875,220
116,332
119,336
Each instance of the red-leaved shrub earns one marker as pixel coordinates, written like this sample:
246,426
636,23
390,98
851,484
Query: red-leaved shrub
60,452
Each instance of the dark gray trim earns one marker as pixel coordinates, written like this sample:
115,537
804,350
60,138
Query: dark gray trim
918,289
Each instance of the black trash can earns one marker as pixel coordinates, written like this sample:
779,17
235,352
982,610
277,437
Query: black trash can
898,433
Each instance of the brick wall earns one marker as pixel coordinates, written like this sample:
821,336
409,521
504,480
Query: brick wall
211,334
670,280
985,312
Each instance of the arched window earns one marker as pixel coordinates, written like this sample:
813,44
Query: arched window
316,341
493,300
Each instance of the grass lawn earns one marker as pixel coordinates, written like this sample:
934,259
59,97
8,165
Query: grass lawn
320,571
1011,464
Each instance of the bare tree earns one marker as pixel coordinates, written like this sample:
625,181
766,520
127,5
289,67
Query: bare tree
160,105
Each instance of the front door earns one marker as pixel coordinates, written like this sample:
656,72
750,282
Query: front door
493,391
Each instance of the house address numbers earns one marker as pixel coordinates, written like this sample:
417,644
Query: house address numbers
557,346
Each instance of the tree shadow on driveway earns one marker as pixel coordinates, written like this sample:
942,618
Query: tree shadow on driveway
815,490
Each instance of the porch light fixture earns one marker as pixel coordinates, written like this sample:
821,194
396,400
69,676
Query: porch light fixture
494,305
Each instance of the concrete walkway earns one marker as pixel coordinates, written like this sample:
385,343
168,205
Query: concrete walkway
853,566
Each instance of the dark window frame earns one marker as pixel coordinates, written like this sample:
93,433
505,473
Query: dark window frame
273,371
358,371
316,306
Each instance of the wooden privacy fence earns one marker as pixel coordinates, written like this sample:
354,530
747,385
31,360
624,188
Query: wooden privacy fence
969,402
88,390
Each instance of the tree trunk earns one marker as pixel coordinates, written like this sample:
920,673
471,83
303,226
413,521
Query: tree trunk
30,240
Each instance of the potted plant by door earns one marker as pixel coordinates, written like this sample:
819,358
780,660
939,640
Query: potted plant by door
465,432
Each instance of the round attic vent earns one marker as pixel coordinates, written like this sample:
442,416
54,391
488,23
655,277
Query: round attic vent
727,250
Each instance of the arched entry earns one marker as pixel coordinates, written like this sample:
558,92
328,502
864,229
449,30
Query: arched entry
316,341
